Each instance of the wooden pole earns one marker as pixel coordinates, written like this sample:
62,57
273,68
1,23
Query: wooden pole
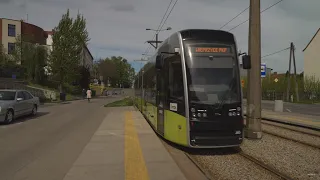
288,87
295,72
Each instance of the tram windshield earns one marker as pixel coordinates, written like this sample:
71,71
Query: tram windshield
213,79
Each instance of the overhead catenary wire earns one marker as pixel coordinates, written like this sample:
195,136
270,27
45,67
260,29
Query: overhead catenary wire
260,12
275,52
163,22
147,50
234,18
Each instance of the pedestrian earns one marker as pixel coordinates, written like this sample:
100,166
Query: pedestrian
89,94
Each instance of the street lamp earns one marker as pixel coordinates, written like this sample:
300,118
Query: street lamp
157,33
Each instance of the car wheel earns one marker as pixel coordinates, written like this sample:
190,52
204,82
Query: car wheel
9,117
34,110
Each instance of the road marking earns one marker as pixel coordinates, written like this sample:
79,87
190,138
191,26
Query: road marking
135,168
288,110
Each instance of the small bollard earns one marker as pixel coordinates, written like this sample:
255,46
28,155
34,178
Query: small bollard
278,106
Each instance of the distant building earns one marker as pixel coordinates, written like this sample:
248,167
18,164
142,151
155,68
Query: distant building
10,29
86,58
49,40
312,57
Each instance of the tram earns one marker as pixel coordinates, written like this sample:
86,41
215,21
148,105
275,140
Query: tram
190,89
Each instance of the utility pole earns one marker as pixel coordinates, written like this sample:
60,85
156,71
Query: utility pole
295,72
157,35
289,74
253,123
157,40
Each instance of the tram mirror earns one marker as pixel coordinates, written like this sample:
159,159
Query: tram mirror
246,62
158,62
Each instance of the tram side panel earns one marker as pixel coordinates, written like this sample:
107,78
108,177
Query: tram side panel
175,123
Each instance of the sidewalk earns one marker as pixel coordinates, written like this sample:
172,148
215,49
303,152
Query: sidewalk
293,118
124,147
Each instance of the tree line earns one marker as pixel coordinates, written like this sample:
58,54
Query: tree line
63,67
116,71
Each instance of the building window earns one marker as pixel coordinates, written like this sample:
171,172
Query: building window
11,48
11,30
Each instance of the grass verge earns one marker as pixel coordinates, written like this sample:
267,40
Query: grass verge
124,102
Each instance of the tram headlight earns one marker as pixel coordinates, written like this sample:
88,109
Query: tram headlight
230,113
199,114
234,113
194,115
238,113
238,108
193,110
204,114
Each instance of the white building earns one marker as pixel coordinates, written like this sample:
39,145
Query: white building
86,57
312,57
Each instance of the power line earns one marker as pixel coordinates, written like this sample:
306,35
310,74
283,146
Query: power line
260,12
234,17
164,22
275,52
169,14
147,50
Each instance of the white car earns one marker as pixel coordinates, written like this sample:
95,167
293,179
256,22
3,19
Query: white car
16,103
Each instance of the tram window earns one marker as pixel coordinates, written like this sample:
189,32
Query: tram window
175,79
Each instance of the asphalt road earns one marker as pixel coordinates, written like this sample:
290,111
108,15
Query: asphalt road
46,146
308,109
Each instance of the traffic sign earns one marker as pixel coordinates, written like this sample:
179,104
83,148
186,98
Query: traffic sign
276,80
242,83
263,70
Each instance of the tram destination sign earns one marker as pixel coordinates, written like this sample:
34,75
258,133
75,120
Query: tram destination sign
211,49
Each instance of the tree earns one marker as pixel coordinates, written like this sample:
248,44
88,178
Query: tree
3,56
69,38
84,77
117,70
32,57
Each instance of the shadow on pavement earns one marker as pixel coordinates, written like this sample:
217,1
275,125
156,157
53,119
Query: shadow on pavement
27,118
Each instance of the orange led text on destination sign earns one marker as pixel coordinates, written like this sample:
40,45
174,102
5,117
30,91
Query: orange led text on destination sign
211,50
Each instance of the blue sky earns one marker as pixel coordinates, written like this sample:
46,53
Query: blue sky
117,27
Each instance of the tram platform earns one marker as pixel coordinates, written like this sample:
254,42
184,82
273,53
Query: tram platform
124,147
291,118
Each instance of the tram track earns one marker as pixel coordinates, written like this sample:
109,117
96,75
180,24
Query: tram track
290,138
265,166
244,155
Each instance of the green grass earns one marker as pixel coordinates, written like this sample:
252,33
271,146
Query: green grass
120,103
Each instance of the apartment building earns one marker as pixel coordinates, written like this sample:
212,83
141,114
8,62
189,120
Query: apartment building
10,29
312,57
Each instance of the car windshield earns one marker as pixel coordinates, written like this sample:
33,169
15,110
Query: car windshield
212,80
7,95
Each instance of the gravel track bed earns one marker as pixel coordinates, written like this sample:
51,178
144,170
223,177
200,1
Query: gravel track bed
232,167
314,140
297,160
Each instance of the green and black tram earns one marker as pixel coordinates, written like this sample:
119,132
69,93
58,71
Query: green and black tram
190,89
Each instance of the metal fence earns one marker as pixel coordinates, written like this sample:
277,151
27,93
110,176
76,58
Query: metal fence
273,95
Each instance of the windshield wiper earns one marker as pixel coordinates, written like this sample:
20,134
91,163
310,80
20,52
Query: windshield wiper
226,95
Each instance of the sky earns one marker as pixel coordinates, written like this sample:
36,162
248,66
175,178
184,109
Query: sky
118,27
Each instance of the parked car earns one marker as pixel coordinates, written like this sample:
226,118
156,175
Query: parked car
17,103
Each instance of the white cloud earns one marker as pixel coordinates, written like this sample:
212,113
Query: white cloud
117,27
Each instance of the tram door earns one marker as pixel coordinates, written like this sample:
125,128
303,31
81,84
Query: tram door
161,93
